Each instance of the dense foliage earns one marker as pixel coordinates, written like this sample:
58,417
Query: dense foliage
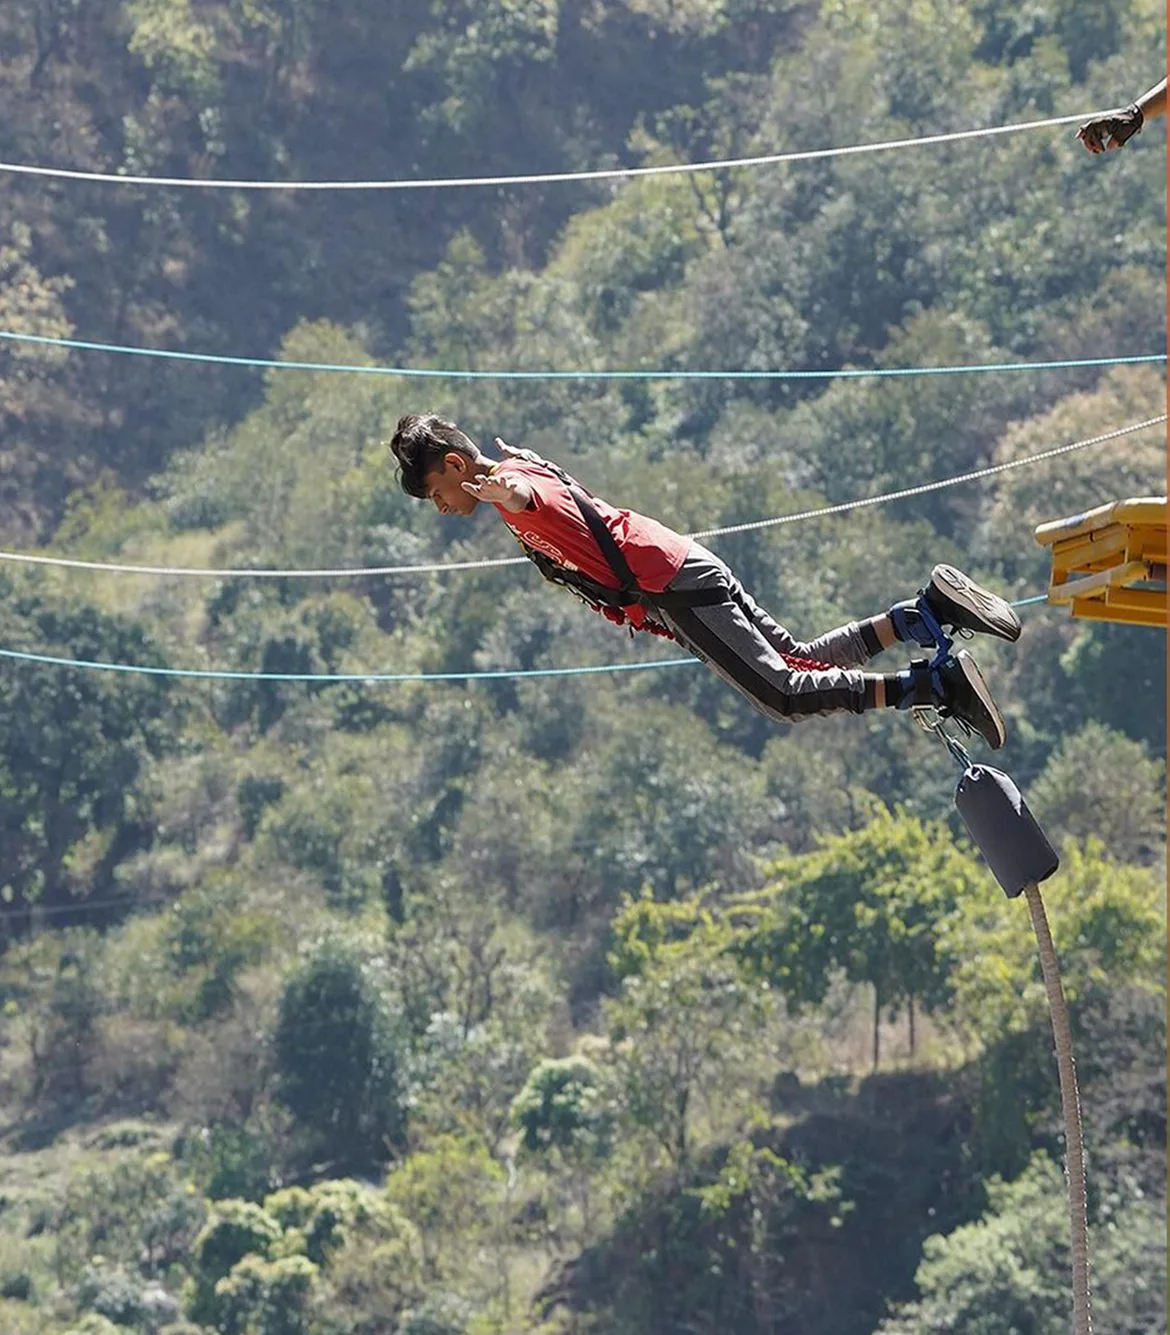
538,1005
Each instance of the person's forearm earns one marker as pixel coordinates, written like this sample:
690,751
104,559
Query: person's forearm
1153,103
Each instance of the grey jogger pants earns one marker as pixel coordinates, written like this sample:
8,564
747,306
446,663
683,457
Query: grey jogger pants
741,642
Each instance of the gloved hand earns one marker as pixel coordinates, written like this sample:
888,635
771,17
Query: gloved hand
1107,133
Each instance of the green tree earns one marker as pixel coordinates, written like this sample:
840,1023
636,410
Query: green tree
91,1323
567,1117
336,1213
725,126
211,939
72,746
651,816
234,1231
261,633
1102,785
137,1213
321,1258
684,1023
1069,484
478,1000
465,1079
1010,1269
369,1255
453,1190
1108,925
758,1206
480,50
1069,671
30,303
1121,1043
267,1297
339,1060
56,999
1115,676
172,41
633,247
865,437
562,1108
1089,30
870,903
332,833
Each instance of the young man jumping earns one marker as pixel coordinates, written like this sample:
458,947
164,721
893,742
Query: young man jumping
638,572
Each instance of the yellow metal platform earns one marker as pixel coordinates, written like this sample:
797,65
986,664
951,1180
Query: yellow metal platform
1109,564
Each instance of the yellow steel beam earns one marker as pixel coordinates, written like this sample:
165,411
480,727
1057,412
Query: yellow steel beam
1110,563
1098,609
1087,586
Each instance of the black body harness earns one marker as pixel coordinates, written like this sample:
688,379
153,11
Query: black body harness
627,594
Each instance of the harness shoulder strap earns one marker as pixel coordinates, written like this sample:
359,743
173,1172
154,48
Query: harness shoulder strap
614,556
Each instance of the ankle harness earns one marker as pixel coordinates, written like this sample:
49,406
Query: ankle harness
925,674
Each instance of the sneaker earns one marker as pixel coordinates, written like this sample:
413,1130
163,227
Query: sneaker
962,694
959,602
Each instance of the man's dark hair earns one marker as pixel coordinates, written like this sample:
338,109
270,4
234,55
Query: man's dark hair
419,443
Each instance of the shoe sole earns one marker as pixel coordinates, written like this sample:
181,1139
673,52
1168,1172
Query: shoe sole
974,678
992,614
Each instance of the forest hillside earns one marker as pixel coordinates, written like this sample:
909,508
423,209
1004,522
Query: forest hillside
416,953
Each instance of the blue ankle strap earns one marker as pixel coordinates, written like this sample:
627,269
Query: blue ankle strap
901,625
919,668
923,628
937,634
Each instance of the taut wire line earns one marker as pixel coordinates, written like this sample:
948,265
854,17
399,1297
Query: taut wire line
547,178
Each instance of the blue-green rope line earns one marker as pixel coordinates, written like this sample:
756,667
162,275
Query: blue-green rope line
451,374
217,674
221,674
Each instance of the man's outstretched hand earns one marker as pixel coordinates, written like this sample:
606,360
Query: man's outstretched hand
1107,133
511,494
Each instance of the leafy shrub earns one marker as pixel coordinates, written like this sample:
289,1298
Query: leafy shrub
264,1296
236,1229
562,1107
112,1292
339,1211
140,1214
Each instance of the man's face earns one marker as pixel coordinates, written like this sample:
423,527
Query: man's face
445,486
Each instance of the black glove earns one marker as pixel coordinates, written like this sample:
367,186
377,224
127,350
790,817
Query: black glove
1109,132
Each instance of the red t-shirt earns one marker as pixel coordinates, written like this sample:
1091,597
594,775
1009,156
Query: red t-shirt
555,526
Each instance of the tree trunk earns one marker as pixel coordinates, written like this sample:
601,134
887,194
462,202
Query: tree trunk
910,1009
877,1020
681,1147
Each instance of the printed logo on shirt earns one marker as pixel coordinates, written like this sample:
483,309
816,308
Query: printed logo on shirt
541,544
